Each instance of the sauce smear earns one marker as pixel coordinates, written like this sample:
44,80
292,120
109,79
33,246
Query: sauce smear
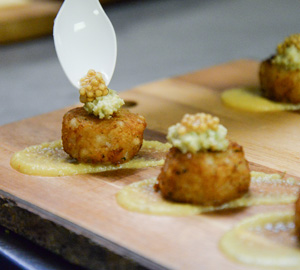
266,239
250,99
265,189
49,159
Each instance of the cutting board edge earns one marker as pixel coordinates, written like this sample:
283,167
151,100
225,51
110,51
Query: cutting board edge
98,251
198,83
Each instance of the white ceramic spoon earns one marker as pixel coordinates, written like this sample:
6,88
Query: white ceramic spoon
84,39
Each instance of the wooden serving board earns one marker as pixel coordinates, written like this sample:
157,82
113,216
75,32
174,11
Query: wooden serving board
29,19
26,20
78,217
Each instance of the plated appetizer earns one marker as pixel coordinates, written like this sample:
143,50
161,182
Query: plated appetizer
204,172
280,74
100,136
279,77
101,131
203,167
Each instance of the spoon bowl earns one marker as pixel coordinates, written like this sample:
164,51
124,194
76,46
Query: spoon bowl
84,39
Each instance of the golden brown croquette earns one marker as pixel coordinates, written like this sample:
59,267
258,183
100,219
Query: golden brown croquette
116,140
206,177
278,83
297,217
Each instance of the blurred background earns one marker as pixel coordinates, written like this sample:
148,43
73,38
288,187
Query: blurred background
156,39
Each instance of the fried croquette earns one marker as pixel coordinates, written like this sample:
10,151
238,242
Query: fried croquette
297,217
278,83
205,177
89,139
280,74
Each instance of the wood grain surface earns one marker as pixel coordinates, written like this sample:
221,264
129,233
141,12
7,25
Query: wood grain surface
32,19
85,205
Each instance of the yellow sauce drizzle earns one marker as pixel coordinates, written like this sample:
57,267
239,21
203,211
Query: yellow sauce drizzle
264,189
250,99
266,239
49,159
